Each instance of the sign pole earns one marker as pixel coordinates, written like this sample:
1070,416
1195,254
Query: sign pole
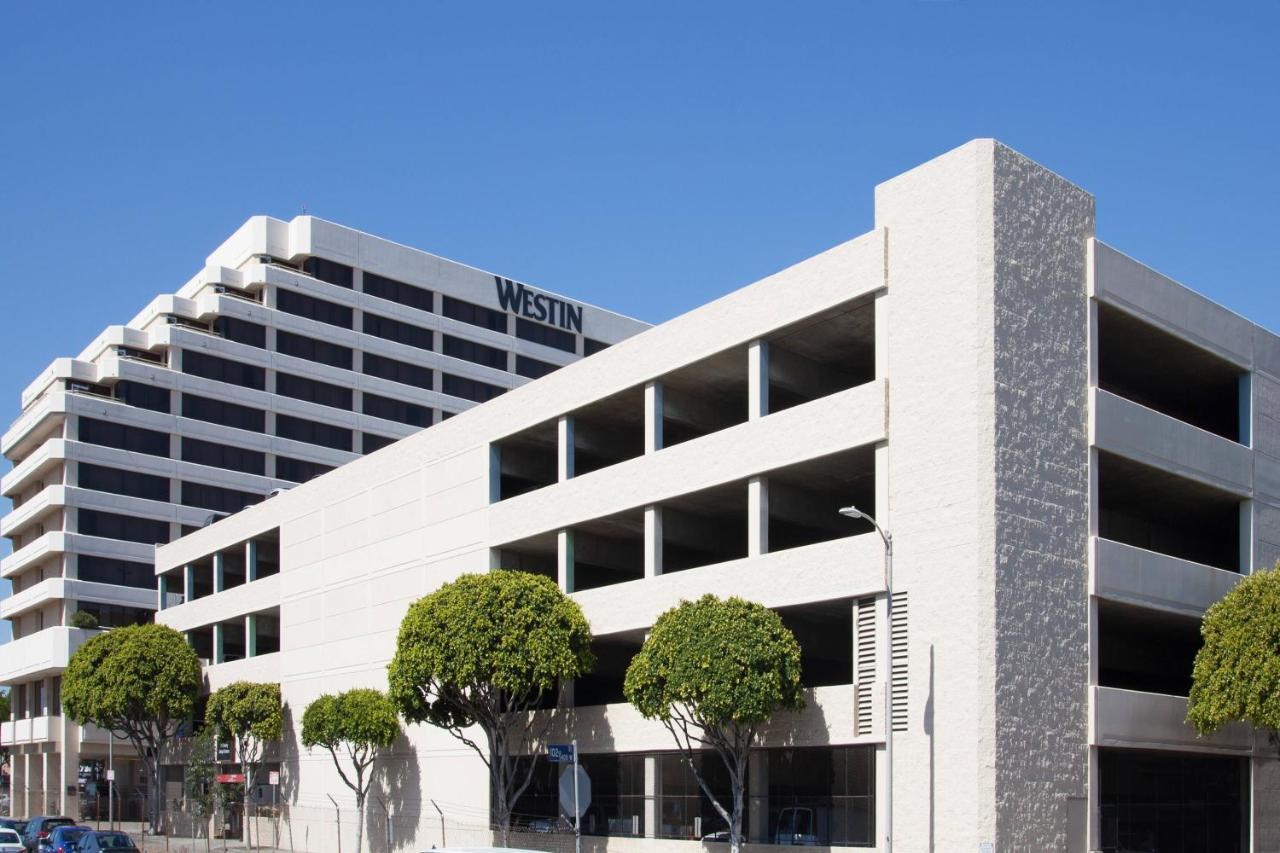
111,780
577,812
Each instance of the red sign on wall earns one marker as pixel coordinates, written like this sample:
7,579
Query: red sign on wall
229,778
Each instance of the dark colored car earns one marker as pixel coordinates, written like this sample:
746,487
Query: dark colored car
105,842
36,835
63,838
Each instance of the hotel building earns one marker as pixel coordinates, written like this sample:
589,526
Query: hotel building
1075,456
298,347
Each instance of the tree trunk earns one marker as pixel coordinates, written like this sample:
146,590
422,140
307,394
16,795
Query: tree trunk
359,821
735,824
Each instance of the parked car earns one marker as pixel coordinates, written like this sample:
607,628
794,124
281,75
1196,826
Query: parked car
13,823
105,842
63,838
36,834
10,841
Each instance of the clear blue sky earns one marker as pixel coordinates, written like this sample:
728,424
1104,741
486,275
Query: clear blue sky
645,158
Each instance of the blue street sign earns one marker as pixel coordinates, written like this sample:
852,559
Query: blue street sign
560,753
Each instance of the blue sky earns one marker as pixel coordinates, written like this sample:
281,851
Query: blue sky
645,157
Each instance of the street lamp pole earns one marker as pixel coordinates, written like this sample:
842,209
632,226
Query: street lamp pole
854,512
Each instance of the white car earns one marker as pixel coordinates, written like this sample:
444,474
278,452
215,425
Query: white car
10,841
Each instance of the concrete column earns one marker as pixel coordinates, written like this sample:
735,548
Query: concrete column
652,541
218,636
68,766
188,581
758,797
251,560
564,559
1246,537
44,783
219,572
757,516
881,311
17,784
881,509
758,379
1246,409
652,796
652,417
564,448
251,636
162,592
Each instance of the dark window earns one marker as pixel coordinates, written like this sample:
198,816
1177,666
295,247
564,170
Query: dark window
397,291
301,305
397,371
223,456
143,396
370,442
197,363
313,350
137,439
241,331
313,432
118,572
110,525
299,470
216,498
222,412
445,414
545,335
468,389
116,616
312,391
590,346
472,351
330,271
396,410
533,368
394,330
476,315
119,482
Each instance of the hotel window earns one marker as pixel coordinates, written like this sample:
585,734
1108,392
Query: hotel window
299,470
223,456
118,482
313,432
397,371
241,331
196,363
301,305
396,410
217,498
474,352
121,437
370,442
397,291
545,335
312,391
468,389
116,616
330,271
143,396
119,572
475,315
311,349
591,346
393,330
110,525
533,368
222,412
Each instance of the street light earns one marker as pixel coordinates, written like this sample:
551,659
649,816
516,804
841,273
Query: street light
855,513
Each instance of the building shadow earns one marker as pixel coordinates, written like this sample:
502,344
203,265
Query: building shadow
393,809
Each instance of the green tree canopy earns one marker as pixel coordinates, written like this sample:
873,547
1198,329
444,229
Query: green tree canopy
713,671
357,723
249,714
83,619
140,682
1237,670
483,650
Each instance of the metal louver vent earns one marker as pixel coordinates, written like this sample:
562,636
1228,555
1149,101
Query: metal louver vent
899,651
865,663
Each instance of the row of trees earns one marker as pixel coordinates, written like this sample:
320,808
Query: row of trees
475,658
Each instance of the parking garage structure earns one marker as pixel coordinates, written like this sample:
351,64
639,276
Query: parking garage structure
1074,454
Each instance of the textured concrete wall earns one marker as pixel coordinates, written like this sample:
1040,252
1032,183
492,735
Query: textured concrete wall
1041,226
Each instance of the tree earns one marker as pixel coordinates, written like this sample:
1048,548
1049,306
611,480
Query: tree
249,714
713,671
139,682
1236,675
483,651
358,722
201,780
83,619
